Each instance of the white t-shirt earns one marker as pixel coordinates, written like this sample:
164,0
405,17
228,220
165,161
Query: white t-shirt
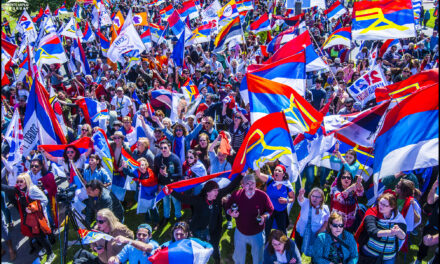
317,219
121,105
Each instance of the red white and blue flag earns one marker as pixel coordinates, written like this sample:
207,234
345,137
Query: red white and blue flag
185,251
290,71
14,137
358,127
266,97
341,36
261,24
385,19
82,144
40,124
335,11
303,41
188,10
409,136
88,35
93,111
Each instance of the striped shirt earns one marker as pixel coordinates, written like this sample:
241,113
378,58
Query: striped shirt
377,246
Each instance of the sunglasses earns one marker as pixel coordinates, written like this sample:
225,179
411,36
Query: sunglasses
164,148
70,152
100,221
179,130
336,225
20,181
406,71
84,129
35,166
345,178
116,138
237,117
190,157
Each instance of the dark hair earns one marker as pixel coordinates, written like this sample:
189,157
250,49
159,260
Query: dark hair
77,154
407,188
95,184
182,225
194,152
279,236
185,132
96,157
40,163
339,179
165,141
209,186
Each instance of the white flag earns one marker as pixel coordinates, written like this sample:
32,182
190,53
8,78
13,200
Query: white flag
127,40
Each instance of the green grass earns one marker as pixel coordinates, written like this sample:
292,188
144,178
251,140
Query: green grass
132,220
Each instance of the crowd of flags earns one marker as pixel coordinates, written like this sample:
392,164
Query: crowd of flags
272,91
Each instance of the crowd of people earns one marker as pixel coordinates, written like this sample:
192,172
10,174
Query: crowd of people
334,224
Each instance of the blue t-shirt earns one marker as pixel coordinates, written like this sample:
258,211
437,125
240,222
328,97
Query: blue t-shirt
273,193
134,255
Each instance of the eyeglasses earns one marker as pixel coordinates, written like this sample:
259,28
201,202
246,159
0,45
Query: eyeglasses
190,157
35,166
202,140
237,117
345,178
164,148
20,181
99,221
336,225
70,152
406,71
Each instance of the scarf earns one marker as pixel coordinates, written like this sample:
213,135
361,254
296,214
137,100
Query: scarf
179,147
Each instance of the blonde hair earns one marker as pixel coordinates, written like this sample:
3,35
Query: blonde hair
316,189
112,220
89,129
27,179
144,141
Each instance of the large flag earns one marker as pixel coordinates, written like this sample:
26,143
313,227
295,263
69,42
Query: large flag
166,12
402,89
227,13
364,157
359,127
14,137
387,45
93,111
26,26
185,251
57,108
127,40
71,29
335,10
190,91
118,21
105,43
40,125
261,24
50,51
244,5
266,96
157,32
232,31
290,71
383,19
161,97
210,14
341,36
92,236
303,41
88,35
188,9
82,144
283,38
267,140
140,19
80,56
102,148
408,139
362,90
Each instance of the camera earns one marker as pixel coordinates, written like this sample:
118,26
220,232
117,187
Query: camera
66,195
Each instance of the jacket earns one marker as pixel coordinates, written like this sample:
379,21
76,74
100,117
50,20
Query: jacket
293,252
111,248
322,245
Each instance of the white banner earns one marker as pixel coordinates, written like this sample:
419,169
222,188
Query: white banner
128,40
362,90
